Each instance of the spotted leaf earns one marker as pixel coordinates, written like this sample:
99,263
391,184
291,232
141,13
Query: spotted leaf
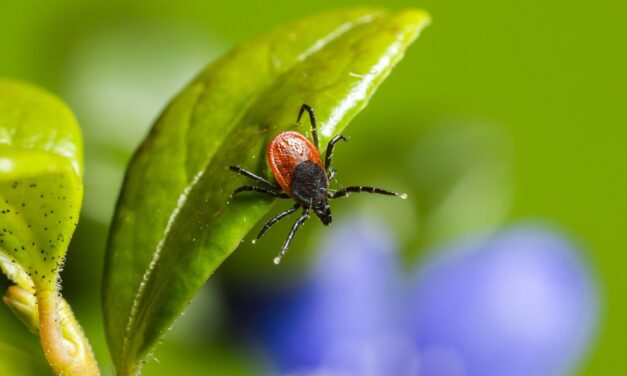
40,184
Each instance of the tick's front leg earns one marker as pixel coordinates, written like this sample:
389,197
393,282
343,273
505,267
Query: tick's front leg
251,175
254,188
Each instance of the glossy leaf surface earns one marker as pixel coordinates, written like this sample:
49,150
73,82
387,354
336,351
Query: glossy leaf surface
174,224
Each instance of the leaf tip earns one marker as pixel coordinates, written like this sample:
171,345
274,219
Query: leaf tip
420,17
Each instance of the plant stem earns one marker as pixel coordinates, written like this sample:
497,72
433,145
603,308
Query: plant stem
129,370
66,348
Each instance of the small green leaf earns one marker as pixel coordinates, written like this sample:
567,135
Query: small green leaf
174,225
40,184
23,303
40,199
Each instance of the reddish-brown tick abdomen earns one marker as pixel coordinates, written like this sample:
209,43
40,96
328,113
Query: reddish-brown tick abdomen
285,151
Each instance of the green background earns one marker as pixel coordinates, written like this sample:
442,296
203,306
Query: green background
549,76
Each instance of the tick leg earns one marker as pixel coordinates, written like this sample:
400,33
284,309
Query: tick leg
312,120
252,188
303,217
250,175
275,220
331,173
329,153
344,192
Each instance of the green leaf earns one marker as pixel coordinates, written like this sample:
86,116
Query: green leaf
23,303
40,199
173,224
40,184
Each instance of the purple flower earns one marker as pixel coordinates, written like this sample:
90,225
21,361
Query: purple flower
518,303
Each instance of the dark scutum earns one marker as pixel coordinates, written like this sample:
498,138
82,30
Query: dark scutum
309,183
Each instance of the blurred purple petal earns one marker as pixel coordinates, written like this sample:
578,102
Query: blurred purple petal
520,303
350,301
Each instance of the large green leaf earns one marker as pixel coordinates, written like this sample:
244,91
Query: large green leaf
174,225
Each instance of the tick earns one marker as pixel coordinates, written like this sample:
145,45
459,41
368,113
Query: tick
302,176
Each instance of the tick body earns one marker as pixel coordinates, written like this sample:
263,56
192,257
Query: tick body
290,156
301,175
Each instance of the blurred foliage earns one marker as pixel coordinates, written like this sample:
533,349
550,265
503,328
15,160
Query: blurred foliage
549,77
16,361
